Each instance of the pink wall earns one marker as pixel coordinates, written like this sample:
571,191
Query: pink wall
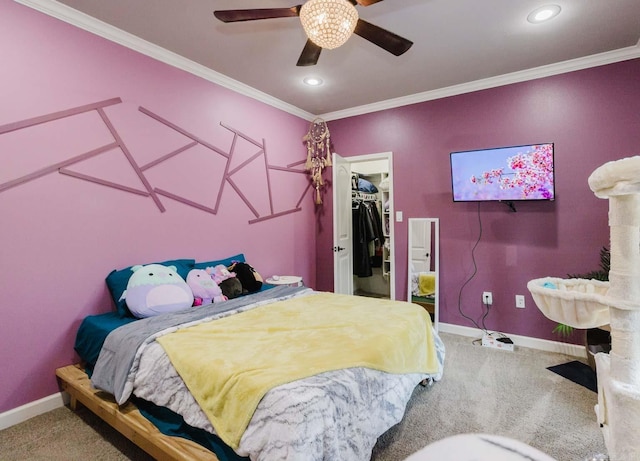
61,236
592,116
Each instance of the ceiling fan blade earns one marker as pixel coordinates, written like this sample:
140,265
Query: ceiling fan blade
389,41
367,2
310,54
255,14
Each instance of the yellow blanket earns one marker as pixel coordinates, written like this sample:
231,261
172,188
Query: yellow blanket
426,283
230,363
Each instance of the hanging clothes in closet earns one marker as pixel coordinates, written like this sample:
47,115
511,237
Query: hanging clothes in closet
368,237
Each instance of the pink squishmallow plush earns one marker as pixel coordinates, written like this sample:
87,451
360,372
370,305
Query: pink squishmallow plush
205,289
226,280
219,273
156,289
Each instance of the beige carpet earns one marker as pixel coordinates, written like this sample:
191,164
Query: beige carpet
483,390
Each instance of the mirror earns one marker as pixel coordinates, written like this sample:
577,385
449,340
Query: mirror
423,265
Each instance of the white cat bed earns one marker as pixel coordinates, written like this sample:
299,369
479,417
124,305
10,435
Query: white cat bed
578,303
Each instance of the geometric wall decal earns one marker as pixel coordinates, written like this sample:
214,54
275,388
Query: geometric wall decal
260,154
110,168
256,163
52,168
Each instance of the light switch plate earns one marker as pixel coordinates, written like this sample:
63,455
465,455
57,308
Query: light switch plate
398,216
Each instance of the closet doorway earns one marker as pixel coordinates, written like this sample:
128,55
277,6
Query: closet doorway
350,277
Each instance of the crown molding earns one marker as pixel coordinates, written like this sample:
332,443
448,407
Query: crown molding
90,24
601,59
109,32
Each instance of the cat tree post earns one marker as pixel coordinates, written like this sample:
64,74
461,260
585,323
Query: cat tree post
618,406
624,279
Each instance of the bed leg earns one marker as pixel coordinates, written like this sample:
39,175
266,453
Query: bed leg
73,403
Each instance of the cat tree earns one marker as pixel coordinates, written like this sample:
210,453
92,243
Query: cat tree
590,303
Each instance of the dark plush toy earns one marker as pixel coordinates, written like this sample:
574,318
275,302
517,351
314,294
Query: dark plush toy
250,279
231,287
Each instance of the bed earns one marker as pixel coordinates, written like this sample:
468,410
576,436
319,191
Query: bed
259,377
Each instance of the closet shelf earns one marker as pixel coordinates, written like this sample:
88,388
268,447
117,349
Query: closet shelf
363,196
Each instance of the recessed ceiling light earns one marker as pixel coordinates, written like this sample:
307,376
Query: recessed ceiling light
544,13
312,81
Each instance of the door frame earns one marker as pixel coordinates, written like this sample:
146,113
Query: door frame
354,160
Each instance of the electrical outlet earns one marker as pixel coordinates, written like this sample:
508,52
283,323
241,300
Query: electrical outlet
520,301
487,298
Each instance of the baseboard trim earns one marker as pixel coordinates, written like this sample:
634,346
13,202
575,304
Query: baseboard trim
38,407
574,350
31,409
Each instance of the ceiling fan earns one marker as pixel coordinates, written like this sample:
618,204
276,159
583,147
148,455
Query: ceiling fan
327,23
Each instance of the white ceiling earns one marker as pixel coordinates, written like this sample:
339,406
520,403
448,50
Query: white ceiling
459,46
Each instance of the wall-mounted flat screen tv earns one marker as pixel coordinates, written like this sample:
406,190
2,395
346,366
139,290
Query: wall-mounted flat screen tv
503,174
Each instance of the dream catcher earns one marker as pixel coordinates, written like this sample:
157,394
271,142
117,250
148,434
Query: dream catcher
318,142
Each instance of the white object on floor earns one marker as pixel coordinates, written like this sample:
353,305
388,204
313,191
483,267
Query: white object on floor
488,340
478,447
294,280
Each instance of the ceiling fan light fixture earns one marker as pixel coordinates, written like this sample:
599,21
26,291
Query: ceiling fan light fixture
328,23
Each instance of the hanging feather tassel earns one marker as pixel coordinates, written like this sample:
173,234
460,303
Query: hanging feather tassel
327,152
318,141
308,165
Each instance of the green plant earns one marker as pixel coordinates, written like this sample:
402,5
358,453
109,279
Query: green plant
563,330
600,274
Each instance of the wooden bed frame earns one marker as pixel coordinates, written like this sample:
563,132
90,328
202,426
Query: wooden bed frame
127,419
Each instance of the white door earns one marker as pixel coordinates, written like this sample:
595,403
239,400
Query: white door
420,244
342,230
343,279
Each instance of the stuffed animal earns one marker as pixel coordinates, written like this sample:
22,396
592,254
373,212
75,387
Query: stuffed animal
156,289
226,280
219,273
205,289
250,279
231,288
